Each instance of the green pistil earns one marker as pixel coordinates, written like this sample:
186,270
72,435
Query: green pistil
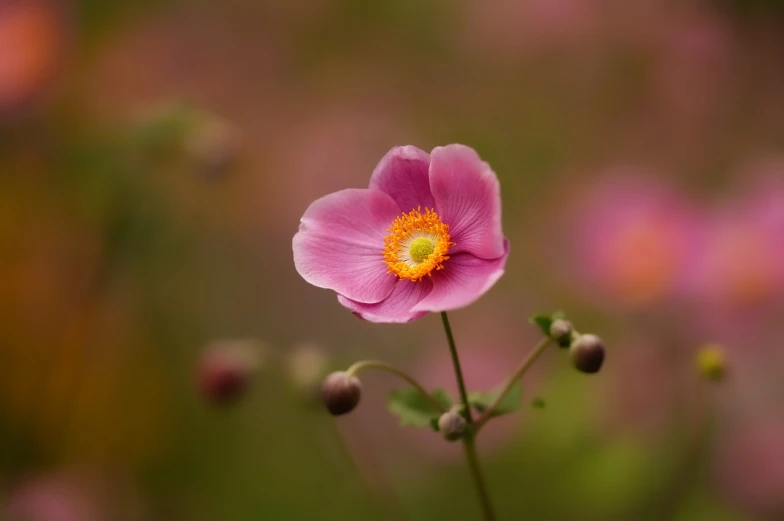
420,249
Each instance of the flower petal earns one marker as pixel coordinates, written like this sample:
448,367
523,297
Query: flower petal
468,199
396,308
340,243
463,280
403,174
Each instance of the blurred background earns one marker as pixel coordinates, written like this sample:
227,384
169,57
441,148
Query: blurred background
159,354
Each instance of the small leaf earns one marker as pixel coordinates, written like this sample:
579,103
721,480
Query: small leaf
544,320
538,403
511,402
415,409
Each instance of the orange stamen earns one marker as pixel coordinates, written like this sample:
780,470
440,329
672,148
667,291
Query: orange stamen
408,228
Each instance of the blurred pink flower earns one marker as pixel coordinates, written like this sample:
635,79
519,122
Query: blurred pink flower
631,238
426,236
750,466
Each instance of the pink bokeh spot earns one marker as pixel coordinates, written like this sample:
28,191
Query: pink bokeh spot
341,239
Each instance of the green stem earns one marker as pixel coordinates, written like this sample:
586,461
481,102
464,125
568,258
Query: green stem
469,442
376,364
521,370
458,370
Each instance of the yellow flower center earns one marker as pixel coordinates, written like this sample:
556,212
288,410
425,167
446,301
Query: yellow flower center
417,244
421,248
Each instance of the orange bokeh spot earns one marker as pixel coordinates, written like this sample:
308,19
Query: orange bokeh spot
642,261
31,42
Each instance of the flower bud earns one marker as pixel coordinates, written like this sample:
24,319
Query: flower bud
561,332
711,363
451,425
341,392
587,353
225,370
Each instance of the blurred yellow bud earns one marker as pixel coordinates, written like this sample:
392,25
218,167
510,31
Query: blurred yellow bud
711,363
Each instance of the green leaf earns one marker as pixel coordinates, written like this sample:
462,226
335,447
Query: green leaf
543,320
538,403
511,402
417,410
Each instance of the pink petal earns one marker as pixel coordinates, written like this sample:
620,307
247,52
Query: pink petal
396,308
340,243
403,174
468,199
463,280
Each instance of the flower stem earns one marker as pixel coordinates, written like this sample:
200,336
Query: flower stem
469,444
469,441
521,370
458,370
376,364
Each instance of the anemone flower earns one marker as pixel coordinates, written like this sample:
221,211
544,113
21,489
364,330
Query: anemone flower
424,237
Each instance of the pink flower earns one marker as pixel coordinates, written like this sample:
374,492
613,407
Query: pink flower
426,236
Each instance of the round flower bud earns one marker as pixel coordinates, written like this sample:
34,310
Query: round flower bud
587,353
561,332
341,392
225,370
711,363
451,425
